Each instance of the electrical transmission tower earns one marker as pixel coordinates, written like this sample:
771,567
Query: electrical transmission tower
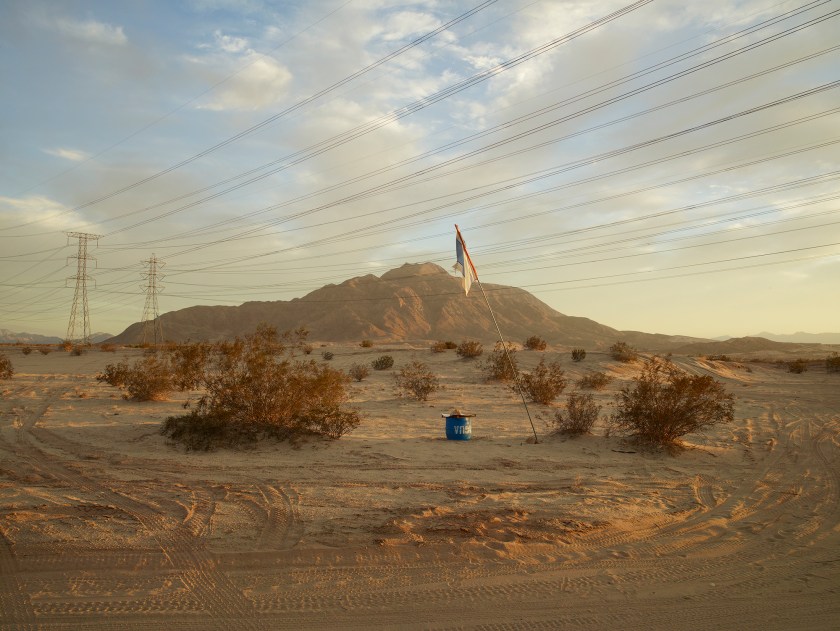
81,278
152,330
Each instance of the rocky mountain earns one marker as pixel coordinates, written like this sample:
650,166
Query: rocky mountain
412,302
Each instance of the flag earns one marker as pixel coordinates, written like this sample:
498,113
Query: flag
463,262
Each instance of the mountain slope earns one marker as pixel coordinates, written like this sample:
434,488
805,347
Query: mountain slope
412,302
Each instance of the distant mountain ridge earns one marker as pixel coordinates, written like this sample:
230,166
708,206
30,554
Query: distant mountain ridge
10,337
412,302
802,338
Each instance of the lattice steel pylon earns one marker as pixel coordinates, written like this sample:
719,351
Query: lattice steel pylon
152,329
81,278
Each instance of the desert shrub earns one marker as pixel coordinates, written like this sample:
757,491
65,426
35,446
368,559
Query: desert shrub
664,403
450,345
501,365
798,366
719,358
534,343
6,369
108,348
578,354
415,380
382,363
623,352
469,349
327,355
114,374
594,381
78,350
438,347
579,417
66,345
366,343
307,349
255,390
545,383
188,362
45,350
149,379
832,363
358,371
26,350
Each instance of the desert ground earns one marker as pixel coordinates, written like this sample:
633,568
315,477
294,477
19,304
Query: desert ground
104,525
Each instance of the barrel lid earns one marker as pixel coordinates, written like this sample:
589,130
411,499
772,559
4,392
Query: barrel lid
458,413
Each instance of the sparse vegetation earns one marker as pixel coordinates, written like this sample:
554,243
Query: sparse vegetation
719,358
623,352
382,363
78,350
108,348
307,349
449,344
66,346
148,379
438,347
469,349
579,417
832,363
114,374
254,390
26,350
366,343
6,369
415,380
798,366
578,354
664,404
45,350
501,366
545,383
359,371
327,355
594,381
534,343
187,363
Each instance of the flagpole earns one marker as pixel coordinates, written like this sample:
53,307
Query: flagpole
510,361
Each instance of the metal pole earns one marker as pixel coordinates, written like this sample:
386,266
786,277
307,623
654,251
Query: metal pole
510,361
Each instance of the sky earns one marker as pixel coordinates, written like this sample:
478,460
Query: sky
659,166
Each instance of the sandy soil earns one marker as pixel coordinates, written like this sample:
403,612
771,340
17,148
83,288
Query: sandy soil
106,526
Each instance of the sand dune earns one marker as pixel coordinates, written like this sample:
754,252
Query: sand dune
104,525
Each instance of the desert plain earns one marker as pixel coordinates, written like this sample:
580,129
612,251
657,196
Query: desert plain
104,525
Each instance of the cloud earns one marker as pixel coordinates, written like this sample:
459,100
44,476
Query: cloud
405,23
46,212
67,154
260,84
230,44
233,6
92,32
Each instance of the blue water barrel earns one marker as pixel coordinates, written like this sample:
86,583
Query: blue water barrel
458,428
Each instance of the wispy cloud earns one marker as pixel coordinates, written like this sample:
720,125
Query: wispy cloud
230,44
251,81
92,31
67,154
47,212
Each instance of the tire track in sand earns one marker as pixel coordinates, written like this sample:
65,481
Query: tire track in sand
225,605
283,528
